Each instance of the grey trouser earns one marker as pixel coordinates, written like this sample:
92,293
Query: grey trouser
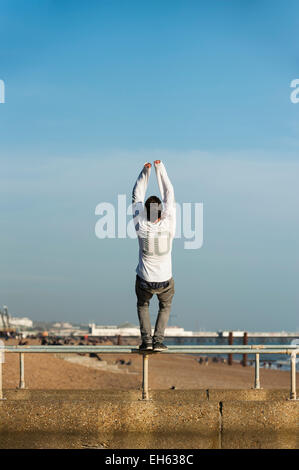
144,294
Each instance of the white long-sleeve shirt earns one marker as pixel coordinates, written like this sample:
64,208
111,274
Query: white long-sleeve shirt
155,239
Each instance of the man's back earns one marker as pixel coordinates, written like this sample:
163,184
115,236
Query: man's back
155,238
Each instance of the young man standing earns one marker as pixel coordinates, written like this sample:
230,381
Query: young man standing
155,227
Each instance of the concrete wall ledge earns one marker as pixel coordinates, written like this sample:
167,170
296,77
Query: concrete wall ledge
169,396
170,419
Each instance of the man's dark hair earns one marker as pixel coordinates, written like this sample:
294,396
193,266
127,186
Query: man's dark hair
153,207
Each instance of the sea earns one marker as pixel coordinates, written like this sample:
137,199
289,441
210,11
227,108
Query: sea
274,361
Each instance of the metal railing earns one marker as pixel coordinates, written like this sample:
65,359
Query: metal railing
291,350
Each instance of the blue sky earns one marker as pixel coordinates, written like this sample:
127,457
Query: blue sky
93,90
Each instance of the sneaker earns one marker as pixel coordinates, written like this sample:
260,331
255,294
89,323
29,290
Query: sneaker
159,346
145,346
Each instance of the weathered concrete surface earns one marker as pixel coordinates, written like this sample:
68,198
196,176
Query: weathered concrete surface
133,440
259,440
175,396
70,395
108,418
161,440
260,424
48,416
264,424
248,395
260,415
170,419
159,417
33,419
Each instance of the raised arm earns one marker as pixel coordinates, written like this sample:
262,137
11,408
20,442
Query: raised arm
165,186
141,184
167,194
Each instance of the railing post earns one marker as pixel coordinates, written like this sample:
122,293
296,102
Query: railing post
293,376
144,376
257,371
230,342
1,378
22,372
245,343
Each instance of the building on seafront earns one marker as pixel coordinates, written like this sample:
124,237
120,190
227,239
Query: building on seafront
130,330
8,321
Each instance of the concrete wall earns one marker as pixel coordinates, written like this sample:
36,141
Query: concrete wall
170,419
